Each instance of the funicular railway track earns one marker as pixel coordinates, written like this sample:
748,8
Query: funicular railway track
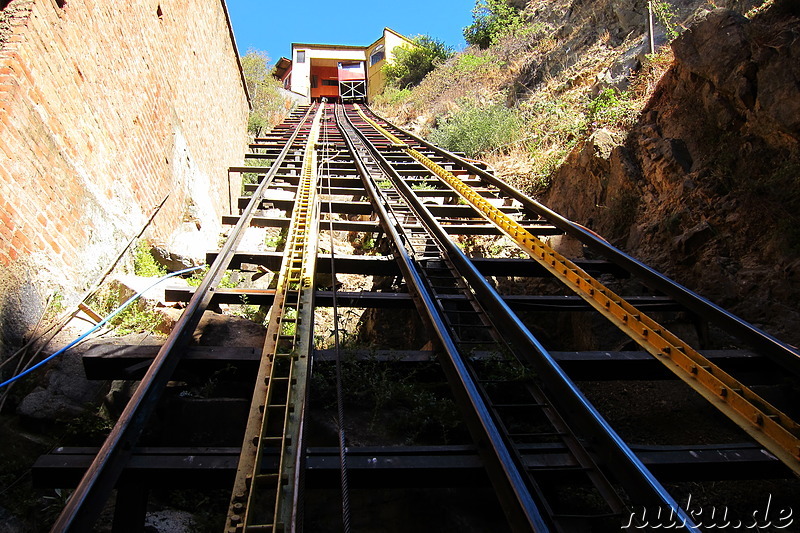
555,464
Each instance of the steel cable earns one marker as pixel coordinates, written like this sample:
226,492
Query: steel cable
339,393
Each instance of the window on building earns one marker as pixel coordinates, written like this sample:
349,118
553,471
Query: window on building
330,83
377,55
314,82
301,56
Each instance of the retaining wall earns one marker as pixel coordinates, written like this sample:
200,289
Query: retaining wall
105,109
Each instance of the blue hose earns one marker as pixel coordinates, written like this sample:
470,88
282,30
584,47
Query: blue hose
97,326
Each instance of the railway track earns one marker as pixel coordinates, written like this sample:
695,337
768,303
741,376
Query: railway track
554,463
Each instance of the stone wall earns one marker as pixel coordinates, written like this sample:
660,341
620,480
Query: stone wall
105,109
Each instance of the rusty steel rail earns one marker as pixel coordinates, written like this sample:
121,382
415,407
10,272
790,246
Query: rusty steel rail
88,499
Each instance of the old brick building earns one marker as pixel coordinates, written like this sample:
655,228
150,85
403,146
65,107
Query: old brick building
105,109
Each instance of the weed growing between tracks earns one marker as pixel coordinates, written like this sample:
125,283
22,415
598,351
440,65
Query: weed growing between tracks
406,403
144,264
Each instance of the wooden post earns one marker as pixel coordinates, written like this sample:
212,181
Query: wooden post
650,26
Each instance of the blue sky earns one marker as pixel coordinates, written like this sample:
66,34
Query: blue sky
272,27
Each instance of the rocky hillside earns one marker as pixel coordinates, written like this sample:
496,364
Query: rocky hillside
704,185
688,159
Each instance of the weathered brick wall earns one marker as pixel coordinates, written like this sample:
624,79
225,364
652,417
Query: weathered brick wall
106,108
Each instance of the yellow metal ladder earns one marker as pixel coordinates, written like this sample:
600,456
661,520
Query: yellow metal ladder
265,495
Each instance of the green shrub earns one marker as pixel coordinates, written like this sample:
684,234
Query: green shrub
392,96
277,239
412,63
611,107
136,318
268,104
251,178
475,130
467,62
492,20
666,14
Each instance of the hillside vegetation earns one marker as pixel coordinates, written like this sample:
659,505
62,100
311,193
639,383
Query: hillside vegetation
688,158
541,77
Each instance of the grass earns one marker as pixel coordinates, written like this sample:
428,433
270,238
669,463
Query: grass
136,318
248,310
529,98
197,278
144,264
422,186
289,326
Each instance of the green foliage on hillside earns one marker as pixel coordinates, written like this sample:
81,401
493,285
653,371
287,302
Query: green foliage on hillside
412,63
269,106
392,96
492,20
467,62
475,130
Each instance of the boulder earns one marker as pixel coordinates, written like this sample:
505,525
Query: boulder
66,393
169,521
174,261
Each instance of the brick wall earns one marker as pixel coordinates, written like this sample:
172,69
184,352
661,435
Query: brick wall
106,108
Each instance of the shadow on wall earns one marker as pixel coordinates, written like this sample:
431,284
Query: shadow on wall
20,307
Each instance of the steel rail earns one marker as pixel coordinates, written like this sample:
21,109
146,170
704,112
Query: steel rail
777,350
523,513
89,497
563,392
768,425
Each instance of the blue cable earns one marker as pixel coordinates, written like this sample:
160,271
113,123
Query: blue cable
97,326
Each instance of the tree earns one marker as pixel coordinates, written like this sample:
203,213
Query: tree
267,102
491,20
412,63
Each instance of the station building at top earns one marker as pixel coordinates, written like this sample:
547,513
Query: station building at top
339,72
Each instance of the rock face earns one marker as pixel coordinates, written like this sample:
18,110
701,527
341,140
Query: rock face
704,186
